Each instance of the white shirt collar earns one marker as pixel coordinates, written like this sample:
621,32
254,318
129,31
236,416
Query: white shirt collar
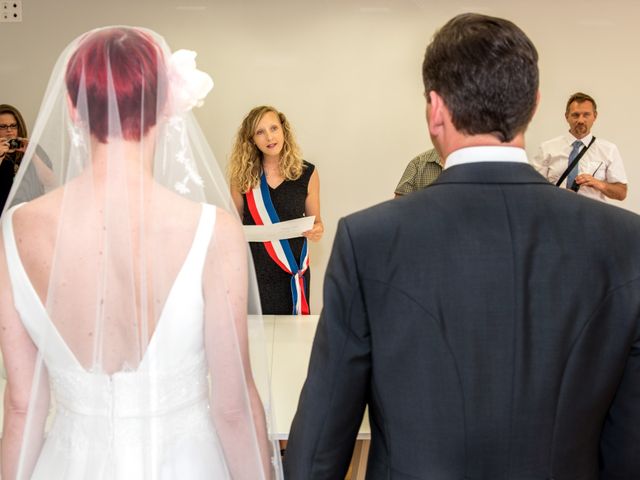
585,140
486,154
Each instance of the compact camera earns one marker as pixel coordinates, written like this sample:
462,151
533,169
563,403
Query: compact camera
14,143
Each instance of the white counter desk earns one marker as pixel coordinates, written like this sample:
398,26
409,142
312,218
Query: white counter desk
289,339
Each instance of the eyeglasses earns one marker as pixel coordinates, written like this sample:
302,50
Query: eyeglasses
4,128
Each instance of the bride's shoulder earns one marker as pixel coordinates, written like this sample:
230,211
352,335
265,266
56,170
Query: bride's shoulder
39,214
228,226
226,218
228,236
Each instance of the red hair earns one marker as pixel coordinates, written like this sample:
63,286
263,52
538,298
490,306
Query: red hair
138,74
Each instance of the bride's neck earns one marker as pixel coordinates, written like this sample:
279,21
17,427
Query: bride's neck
121,169
119,155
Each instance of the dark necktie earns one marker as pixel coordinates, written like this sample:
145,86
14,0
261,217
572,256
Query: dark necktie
574,171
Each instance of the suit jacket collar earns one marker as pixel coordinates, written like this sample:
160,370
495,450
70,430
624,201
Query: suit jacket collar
491,172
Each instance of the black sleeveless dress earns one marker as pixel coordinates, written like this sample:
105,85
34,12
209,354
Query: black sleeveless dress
7,172
274,283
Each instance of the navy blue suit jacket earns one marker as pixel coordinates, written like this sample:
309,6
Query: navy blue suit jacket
491,323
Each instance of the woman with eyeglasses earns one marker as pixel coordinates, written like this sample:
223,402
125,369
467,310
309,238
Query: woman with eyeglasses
13,143
12,127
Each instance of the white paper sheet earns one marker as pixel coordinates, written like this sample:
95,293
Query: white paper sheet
279,231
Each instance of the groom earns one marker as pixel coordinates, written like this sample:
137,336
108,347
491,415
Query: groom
495,336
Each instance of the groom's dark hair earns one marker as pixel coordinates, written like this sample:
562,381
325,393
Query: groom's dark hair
486,71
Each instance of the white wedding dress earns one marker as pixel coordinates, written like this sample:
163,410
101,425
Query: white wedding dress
149,423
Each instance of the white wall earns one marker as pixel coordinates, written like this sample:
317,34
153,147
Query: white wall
347,74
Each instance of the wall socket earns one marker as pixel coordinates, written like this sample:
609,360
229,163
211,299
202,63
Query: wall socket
10,11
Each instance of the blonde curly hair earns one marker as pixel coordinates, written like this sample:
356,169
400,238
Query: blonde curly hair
245,164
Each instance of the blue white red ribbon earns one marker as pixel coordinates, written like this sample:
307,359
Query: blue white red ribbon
263,213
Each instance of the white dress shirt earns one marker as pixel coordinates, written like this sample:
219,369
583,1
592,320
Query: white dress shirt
486,154
602,161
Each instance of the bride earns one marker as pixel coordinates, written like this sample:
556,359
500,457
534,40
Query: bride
123,291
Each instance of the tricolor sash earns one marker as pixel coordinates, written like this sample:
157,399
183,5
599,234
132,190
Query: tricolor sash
263,213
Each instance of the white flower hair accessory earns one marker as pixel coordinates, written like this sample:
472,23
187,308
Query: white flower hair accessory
189,86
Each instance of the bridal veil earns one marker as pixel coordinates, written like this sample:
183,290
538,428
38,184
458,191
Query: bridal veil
127,173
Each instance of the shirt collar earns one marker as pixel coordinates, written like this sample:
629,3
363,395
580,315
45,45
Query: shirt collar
486,154
570,138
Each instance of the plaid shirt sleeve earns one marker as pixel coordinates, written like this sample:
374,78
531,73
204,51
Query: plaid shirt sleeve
420,172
